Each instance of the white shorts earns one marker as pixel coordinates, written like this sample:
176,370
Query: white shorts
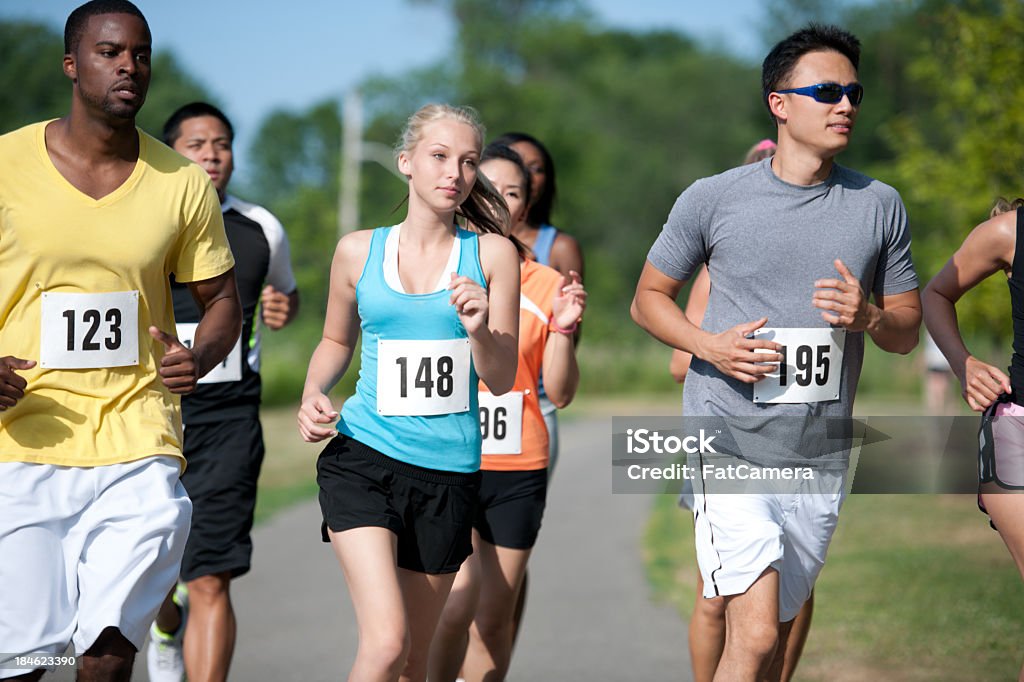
739,536
86,548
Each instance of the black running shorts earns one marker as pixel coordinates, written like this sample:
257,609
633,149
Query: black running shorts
224,461
511,507
430,511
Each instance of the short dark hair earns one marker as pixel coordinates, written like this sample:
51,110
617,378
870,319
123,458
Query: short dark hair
779,64
172,129
497,150
75,25
540,209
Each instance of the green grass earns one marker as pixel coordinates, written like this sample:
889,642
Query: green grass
917,587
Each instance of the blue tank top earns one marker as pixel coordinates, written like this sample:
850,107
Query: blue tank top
445,442
542,252
545,240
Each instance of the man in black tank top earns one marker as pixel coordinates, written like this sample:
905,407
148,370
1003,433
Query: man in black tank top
223,438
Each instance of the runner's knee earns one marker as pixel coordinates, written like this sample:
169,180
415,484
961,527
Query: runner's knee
209,587
493,627
753,638
385,652
456,618
712,610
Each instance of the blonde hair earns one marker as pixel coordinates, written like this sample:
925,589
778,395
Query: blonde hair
1004,206
484,207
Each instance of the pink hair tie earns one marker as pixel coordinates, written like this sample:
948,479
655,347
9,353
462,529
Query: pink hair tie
765,145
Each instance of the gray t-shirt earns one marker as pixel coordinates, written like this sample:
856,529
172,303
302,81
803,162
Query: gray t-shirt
765,242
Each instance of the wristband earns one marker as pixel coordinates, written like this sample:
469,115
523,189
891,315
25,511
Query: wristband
555,328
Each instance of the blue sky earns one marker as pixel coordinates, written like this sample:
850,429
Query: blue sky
258,56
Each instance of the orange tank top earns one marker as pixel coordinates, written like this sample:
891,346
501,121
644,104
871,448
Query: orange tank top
539,284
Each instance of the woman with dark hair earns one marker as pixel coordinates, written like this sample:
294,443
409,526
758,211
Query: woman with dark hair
550,246
514,465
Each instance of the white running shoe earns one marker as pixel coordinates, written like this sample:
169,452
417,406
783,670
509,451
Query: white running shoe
164,659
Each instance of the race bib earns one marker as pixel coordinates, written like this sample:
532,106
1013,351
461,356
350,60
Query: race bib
89,331
811,366
230,368
422,378
501,423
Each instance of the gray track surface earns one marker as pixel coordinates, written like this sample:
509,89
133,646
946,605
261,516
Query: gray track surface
590,615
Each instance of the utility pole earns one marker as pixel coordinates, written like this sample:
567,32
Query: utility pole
355,150
351,156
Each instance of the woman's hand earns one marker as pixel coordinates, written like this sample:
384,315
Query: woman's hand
470,301
569,303
315,411
982,384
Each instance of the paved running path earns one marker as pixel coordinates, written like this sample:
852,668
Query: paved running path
589,617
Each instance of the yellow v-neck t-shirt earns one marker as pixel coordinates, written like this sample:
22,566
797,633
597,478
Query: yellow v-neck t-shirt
59,244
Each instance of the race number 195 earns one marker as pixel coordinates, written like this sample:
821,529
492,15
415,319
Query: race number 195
811,367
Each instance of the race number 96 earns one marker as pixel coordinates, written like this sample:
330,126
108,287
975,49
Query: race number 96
501,423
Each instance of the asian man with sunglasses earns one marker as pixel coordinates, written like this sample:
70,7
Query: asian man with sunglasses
805,258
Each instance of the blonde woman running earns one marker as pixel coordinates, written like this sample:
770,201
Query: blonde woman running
438,308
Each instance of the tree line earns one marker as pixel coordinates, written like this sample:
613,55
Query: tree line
631,119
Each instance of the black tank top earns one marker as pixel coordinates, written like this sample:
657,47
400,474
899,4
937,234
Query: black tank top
1016,282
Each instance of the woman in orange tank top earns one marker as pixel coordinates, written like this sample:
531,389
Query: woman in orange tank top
476,628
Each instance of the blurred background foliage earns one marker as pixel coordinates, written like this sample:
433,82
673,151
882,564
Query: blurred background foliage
631,119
